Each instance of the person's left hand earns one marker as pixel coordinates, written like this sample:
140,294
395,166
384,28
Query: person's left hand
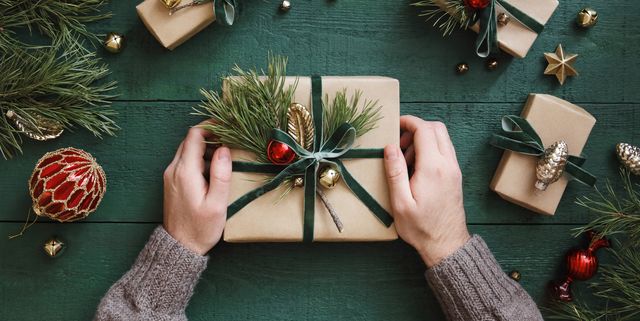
195,210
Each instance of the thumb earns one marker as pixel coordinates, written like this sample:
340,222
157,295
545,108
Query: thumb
397,178
220,177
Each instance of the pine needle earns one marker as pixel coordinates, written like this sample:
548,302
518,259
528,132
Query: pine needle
447,15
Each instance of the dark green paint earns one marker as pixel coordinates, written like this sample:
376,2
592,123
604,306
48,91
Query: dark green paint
370,281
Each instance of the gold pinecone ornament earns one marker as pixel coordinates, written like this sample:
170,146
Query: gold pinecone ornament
629,156
551,165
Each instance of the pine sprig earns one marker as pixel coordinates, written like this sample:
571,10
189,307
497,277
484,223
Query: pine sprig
254,103
60,82
447,15
618,284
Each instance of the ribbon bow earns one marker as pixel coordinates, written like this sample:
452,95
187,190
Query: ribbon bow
519,136
226,11
338,146
487,41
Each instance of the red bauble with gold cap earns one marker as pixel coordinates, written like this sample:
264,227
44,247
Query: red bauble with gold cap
476,4
67,185
279,153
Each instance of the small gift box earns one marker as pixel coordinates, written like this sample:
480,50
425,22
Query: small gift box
173,29
524,19
272,217
534,148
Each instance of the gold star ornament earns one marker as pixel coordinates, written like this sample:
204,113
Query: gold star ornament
560,64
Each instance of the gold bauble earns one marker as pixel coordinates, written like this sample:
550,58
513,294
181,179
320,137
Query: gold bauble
170,4
515,275
629,156
114,42
492,63
587,18
503,19
53,247
551,165
329,177
462,68
285,5
39,128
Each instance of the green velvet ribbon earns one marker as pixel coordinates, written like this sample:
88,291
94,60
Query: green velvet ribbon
487,41
226,11
337,147
519,136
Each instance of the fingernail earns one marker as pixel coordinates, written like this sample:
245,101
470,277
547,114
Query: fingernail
391,152
223,154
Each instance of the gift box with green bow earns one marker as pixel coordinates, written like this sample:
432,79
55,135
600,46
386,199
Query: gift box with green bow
510,25
266,204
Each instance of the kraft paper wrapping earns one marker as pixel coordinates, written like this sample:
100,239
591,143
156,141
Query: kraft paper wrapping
172,31
268,220
515,38
553,119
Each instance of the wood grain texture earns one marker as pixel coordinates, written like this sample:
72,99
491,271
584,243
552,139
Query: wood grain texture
358,37
151,131
358,281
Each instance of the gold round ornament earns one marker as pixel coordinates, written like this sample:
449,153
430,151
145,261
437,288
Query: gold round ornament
329,177
113,43
629,156
285,5
503,19
462,68
170,4
53,247
587,18
551,165
492,63
515,275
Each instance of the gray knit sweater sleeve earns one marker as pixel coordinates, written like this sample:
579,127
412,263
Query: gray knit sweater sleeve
470,285
159,284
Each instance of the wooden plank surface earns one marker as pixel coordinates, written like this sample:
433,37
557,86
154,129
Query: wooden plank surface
371,281
151,131
358,281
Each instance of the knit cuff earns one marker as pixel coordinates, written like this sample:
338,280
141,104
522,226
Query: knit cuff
164,275
470,283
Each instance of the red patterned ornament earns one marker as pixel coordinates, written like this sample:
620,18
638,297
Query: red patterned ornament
279,153
581,265
476,4
67,185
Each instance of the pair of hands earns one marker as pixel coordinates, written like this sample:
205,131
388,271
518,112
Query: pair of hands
426,206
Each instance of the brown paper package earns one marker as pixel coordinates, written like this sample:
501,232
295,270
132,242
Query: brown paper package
553,119
172,31
268,220
515,38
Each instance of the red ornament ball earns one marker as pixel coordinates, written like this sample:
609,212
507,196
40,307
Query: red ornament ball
476,4
279,153
67,185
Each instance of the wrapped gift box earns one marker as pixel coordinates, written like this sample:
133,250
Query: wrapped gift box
553,119
172,31
515,38
271,219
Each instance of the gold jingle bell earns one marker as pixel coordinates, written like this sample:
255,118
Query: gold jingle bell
503,19
170,4
587,18
114,42
329,177
515,275
53,247
551,165
285,5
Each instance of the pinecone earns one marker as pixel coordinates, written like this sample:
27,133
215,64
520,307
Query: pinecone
629,156
551,165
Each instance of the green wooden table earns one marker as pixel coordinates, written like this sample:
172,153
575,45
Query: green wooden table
359,281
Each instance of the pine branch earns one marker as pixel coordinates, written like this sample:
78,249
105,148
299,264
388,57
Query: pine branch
61,82
447,15
341,111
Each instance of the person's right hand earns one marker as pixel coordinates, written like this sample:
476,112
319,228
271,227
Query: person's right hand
195,210
427,207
